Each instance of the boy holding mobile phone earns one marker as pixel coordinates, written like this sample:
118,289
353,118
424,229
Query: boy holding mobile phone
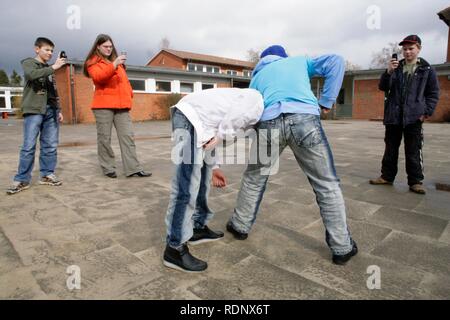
412,92
40,107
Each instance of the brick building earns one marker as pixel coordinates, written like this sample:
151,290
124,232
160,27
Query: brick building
180,72
152,87
195,62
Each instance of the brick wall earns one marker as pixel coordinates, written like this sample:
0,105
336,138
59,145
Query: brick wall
368,101
167,60
442,112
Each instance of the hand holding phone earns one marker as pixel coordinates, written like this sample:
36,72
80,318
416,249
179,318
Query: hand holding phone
393,64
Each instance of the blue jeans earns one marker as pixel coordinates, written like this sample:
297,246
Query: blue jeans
304,134
48,127
188,204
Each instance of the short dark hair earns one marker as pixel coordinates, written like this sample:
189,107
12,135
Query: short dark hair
41,41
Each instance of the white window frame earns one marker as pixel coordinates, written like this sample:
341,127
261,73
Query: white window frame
145,85
187,82
232,72
198,67
165,92
249,73
213,84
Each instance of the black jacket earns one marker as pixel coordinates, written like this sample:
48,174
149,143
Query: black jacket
419,97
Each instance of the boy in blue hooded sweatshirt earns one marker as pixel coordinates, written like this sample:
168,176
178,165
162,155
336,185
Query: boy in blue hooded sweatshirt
292,118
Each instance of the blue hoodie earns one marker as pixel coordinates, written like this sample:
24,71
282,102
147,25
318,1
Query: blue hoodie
286,87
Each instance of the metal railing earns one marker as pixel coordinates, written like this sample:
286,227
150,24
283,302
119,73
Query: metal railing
6,93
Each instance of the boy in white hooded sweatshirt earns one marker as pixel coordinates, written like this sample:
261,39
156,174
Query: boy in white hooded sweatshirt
199,121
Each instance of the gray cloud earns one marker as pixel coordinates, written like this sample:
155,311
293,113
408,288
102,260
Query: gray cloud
226,28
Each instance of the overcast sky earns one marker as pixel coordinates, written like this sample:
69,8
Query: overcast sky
227,28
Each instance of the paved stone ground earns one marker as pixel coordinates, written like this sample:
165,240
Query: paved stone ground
114,229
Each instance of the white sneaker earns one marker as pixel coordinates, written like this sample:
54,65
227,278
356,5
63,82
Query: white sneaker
50,180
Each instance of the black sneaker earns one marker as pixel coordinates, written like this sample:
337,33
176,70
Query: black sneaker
343,259
182,260
111,175
205,235
238,235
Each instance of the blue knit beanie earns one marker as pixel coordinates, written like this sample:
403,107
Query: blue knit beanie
275,50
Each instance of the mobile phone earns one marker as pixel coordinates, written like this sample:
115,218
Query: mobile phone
62,54
394,56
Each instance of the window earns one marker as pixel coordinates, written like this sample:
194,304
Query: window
202,68
186,87
163,86
206,86
247,73
232,72
195,67
137,85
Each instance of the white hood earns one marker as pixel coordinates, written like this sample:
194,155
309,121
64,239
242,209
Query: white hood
221,112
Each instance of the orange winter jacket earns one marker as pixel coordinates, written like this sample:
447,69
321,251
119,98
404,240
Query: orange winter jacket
112,87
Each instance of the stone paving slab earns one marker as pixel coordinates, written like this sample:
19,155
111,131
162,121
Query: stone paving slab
113,229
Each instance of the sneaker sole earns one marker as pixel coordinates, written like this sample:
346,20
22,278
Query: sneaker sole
14,192
417,192
381,184
194,243
176,267
50,183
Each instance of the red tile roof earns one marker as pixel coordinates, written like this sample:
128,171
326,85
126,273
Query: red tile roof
197,57
445,15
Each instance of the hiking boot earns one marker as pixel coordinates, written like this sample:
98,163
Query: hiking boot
238,235
343,259
418,188
205,235
379,181
180,259
17,186
50,180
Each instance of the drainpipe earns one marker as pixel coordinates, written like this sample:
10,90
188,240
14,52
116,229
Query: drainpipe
72,94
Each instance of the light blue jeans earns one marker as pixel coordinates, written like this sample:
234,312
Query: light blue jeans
191,183
48,127
304,134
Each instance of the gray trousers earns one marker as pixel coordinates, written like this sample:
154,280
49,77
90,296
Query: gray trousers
105,118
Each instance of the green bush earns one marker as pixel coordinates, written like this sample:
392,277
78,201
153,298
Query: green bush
169,100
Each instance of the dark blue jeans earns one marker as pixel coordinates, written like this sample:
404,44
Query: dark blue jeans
47,127
191,183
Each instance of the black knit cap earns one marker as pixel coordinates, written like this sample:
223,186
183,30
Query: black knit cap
412,39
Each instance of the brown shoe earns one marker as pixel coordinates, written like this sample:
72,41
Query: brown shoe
417,188
380,180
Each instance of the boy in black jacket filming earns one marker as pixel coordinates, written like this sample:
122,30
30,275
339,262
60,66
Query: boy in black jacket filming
412,92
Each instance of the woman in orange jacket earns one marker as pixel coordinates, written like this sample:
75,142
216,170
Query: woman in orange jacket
111,105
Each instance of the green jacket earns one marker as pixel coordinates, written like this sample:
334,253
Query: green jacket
36,92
